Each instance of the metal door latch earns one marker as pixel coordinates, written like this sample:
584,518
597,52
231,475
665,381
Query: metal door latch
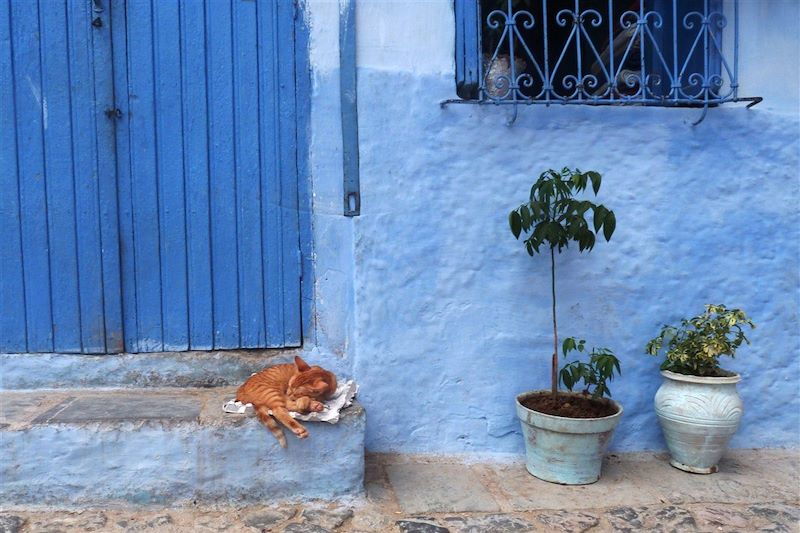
113,113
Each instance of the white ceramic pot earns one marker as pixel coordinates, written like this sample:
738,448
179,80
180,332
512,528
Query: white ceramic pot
698,416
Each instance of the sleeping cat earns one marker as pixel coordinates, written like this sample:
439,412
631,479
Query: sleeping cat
283,388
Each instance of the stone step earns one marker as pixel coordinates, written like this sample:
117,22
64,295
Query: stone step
164,369
75,447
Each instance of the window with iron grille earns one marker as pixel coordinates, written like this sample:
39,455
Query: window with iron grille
598,52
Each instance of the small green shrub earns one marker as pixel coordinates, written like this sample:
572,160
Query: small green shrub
694,348
596,373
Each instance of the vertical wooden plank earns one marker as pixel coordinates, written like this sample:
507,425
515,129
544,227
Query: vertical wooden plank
198,230
144,176
290,251
119,41
248,186
279,173
223,178
57,121
270,141
85,176
32,180
12,289
169,152
105,130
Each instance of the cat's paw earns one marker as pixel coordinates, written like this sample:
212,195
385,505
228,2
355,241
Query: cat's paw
300,432
317,407
301,405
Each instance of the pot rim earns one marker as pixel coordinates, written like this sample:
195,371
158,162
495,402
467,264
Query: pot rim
709,380
556,417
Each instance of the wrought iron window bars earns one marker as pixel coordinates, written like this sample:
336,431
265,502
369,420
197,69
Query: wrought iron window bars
597,52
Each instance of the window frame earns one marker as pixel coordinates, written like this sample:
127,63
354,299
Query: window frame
470,82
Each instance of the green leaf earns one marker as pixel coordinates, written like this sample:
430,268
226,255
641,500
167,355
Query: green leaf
595,177
587,241
599,214
581,242
568,345
526,217
609,224
515,222
565,378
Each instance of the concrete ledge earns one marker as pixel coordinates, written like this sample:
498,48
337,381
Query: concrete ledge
155,446
167,369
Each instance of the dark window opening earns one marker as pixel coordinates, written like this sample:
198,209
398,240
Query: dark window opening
649,52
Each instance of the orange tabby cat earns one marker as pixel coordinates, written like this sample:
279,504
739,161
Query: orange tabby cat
284,388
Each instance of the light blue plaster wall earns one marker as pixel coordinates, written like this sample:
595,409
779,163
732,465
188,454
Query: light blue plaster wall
450,317
453,316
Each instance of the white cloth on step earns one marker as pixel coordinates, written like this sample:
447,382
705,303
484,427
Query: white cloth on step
343,397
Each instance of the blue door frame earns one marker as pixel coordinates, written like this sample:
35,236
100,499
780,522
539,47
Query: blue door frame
161,200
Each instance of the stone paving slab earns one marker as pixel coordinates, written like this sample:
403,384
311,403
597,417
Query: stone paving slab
16,408
430,488
743,477
618,485
112,406
121,407
361,517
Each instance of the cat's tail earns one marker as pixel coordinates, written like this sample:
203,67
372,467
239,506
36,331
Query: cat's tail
267,420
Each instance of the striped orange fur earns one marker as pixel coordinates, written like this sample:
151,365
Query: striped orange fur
282,388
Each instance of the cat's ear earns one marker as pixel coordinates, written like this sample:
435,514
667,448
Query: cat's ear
319,386
301,365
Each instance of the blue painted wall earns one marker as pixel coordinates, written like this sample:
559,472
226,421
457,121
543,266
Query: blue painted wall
438,312
449,318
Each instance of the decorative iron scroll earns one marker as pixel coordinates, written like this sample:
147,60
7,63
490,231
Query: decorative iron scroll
608,52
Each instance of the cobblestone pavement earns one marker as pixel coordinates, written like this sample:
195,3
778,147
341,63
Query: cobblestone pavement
754,491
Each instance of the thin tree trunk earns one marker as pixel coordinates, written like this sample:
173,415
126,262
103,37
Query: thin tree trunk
554,370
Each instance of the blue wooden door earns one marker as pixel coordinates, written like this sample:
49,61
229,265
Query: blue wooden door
59,266
206,152
149,195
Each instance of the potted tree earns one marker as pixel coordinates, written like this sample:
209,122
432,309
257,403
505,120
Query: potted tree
697,404
567,433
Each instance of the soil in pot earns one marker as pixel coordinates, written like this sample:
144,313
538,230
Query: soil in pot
569,406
